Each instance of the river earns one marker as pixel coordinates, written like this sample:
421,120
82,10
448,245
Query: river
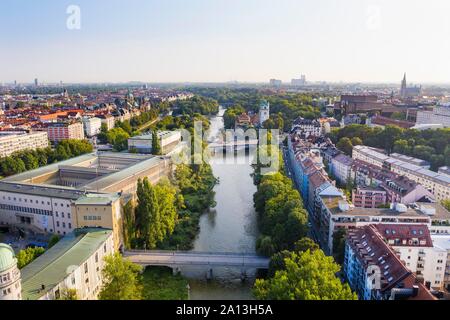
230,227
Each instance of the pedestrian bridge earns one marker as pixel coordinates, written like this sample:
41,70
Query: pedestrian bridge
176,259
233,144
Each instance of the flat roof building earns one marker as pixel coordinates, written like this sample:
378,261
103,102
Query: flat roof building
11,142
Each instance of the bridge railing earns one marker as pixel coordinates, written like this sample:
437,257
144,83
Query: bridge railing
200,253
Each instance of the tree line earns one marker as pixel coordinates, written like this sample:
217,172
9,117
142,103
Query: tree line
25,160
429,145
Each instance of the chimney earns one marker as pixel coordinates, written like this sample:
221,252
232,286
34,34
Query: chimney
415,290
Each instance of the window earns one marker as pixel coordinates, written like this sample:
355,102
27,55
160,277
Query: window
62,214
70,225
85,268
57,223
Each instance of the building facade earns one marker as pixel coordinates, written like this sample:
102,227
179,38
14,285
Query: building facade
92,126
11,142
10,285
63,131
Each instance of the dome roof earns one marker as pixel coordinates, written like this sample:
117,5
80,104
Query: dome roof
7,257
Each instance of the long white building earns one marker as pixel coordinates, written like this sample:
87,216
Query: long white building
11,142
438,184
439,115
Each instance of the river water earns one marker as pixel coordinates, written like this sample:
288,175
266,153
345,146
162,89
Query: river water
230,227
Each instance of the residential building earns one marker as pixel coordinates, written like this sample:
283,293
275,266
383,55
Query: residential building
406,191
335,212
418,162
414,247
10,286
65,130
307,127
373,270
75,262
108,120
367,197
11,142
341,168
168,140
443,242
437,184
439,116
92,126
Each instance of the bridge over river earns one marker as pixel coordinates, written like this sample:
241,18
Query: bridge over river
176,259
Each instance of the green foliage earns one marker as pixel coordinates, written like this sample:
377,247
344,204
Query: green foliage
305,244
196,195
281,215
446,204
122,279
307,276
345,145
25,160
26,256
69,294
430,145
53,240
196,104
155,213
118,138
156,145
160,284
339,238
231,114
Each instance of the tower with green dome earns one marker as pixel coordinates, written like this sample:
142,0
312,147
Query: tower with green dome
10,285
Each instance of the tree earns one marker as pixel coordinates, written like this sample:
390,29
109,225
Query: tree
308,276
53,240
69,294
156,144
446,204
345,145
356,141
26,256
305,244
122,280
339,238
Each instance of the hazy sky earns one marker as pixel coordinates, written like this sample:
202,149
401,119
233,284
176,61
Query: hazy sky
224,40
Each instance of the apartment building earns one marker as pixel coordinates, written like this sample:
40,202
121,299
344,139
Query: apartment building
65,130
438,184
367,197
414,247
92,126
11,142
375,272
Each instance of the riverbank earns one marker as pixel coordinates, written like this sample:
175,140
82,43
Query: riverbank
160,284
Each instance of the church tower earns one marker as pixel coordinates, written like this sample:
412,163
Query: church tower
403,87
264,112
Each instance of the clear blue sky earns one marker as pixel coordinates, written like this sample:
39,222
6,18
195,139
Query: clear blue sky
224,40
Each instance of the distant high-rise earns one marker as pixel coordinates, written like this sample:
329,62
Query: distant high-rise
275,83
36,82
299,82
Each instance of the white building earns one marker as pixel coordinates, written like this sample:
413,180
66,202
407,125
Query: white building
11,142
438,184
439,116
341,167
443,242
168,140
92,126
74,263
10,287
414,247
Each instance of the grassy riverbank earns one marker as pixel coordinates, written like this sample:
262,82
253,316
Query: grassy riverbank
160,284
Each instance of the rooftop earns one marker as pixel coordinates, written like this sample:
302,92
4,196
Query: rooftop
51,268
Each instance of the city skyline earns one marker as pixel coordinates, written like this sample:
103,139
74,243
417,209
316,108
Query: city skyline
223,41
